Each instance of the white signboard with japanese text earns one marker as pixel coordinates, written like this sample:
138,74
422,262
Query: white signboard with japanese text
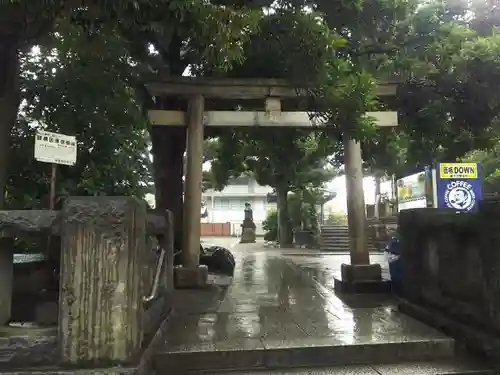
55,148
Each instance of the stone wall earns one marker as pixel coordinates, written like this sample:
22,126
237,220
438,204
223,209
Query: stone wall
451,266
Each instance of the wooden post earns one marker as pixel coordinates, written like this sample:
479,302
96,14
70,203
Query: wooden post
356,215
100,300
192,185
6,278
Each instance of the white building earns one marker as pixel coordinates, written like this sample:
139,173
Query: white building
227,206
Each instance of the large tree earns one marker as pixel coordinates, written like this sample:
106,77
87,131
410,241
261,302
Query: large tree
448,99
183,32
288,160
81,86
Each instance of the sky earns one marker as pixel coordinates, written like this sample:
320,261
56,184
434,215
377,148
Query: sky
339,203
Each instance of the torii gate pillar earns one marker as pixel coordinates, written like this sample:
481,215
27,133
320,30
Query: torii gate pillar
191,274
360,276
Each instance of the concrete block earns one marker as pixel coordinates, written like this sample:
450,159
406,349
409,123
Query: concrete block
361,272
100,301
191,278
359,279
6,277
248,235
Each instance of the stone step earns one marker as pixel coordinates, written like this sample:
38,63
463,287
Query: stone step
334,239
451,367
339,243
335,232
329,234
295,354
339,246
74,371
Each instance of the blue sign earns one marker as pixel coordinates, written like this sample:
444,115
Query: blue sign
458,186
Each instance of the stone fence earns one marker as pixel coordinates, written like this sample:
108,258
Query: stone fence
106,313
380,230
451,271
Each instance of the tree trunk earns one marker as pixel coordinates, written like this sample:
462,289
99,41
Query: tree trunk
9,104
394,189
169,145
378,181
284,228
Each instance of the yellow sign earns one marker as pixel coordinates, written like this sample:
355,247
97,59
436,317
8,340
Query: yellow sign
458,170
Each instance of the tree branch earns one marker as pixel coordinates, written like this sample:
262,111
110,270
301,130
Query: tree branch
378,49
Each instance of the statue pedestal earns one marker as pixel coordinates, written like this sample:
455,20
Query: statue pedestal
247,235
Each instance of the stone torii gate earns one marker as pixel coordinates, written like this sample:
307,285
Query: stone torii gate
196,90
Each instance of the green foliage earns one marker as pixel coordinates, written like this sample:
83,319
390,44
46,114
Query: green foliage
301,212
270,226
111,38
490,167
82,87
304,49
286,158
447,103
336,218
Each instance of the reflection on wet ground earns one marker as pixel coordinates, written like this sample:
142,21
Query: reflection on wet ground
274,298
280,299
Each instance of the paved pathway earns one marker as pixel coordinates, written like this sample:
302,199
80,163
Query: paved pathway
228,242
282,299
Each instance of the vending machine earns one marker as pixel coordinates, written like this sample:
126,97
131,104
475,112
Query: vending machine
443,185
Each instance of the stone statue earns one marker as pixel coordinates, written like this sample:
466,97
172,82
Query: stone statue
248,212
248,226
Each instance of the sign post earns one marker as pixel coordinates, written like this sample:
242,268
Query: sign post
55,149
53,176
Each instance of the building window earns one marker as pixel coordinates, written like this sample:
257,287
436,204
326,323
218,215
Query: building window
230,203
221,203
237,204
224,203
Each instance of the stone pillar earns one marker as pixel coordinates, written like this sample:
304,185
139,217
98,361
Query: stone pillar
6,278
167,243
360,276
356,216
191,275
103,242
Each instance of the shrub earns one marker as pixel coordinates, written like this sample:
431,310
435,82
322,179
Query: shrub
270,225
337,218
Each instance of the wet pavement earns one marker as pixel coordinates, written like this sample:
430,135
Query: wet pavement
279,307
228,242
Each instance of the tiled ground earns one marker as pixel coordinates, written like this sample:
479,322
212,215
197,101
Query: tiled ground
273,298
280,302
